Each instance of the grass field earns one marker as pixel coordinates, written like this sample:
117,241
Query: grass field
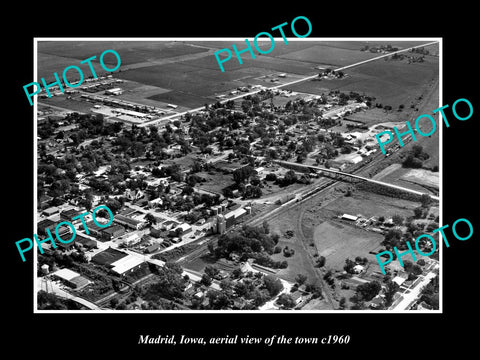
338,241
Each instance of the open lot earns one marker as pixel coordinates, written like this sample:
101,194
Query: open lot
338,241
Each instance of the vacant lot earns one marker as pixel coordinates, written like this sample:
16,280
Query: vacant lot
216,181
338,241
368,204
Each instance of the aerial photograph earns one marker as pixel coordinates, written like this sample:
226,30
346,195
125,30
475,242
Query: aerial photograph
179,187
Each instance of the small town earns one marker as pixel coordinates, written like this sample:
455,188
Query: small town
271,196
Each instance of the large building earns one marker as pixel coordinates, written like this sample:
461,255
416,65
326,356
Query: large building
127,264
71,278
128,222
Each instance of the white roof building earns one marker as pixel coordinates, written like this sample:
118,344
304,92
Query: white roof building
349,217
66,274
127,263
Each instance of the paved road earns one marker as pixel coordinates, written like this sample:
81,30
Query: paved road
409,298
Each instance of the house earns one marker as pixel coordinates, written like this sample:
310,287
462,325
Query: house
399,280
297,297
133,194
377,302
357,269
152,248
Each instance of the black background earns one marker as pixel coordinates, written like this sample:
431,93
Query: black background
383,335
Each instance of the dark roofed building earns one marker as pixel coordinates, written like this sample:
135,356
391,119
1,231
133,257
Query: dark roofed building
113,231
44,224
93,228
68,215
86,242
108,256
152,248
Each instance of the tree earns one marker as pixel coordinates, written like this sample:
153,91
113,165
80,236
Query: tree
425,200
286,301
150,219
272,284
266,227
349,265
321,261
301,279
390,290
397,219
418,212
211,271
206,280
328,277
368,291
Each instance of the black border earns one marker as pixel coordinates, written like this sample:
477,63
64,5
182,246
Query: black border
114,334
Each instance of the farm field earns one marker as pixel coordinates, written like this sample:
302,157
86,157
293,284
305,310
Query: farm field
192,82
390,82
130,52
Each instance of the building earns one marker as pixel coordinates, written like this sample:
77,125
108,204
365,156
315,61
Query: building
114,91
127,264
85,242
45,224
113,231
357,269
183,229
349,217
93,229
152,248
71,278
129,222
132,239
51,211
68,215
221,224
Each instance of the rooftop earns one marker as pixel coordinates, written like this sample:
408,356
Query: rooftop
126,263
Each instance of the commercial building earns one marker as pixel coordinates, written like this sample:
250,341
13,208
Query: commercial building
127,264
71,278
113,231
128,222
